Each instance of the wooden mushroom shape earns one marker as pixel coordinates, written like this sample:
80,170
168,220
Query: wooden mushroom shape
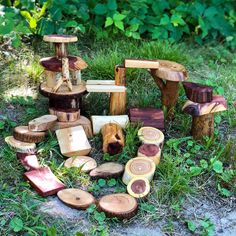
167,78
203,115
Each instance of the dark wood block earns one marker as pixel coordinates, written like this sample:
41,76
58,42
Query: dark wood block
148,117
198,93
44,181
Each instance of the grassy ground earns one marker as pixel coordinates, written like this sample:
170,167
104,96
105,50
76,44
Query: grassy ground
188,169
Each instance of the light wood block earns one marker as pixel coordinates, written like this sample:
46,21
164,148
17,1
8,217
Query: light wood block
143,64
100,82
42,123
105,88
60,38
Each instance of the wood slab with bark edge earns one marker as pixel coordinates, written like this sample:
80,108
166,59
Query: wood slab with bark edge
44,181
197,92
99,121
120,205
55,64
66,104
107,170
87,163
42,123
23,134
73,141
22,147
139,167
60,38
152,117
76,198
151,151
83,121
167,78
113,139
151,135
30,162
138,187
64,116
217,104
141,63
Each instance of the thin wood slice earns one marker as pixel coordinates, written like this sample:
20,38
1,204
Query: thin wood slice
65,116
42,123
22,147
44,181
141,63
151,151
23,134
30,162
76,198
138,187
120,205
198,93
87,163
60,38
107,170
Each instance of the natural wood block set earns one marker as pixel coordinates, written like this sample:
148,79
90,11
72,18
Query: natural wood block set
65,89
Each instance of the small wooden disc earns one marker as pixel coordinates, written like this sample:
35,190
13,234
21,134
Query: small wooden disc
76,198
151,151
120,205
64,116
151,135
138,187
23,134
60,38
20,146
107,170
42,123
88,163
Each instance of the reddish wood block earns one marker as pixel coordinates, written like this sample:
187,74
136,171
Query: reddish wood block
44,181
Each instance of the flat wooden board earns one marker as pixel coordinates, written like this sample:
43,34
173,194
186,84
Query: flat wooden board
73,141
44,181
141,63
91,88
100,82
76,198
217,104
60,38
42,123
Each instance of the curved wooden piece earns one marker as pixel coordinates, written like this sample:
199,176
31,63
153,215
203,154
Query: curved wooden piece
60,38
197,92
64,116
217,104
138,187
151,151
76,198
55,64
42,123
107,170
30,162
120,205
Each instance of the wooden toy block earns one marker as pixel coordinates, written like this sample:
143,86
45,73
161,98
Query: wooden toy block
60,38
107,170
30,162
23,134
42,123
91,88
99,121
73,141
197,92
44,181
152,117
151,151
64,116
113,139
100,82
120,205
139,63
138,187
76,198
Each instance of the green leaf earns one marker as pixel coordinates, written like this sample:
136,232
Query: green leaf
71,23
101,182
91,208
220,90
33,23
112,5
191,226
218,167
203,164
165,20
100,9
119,25
2,124
177,20
195,170
225,192
16,224
133,27
109,21
99,216
118,17
111,182
16,41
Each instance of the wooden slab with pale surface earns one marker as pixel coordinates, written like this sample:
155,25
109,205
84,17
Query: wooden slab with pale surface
141,63
60,38
42,123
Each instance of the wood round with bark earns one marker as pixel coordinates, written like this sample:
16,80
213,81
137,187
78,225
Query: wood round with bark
139,167
60,38
23,134
86,163
64,116
138,187
42,123
76,198
151,151
120,205
107,170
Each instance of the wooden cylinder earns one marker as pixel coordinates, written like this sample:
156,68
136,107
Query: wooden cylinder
139,167
64,116
203,126
151,151
61,50
113,138
138,187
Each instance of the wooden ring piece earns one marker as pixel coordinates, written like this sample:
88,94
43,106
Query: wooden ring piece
64,116
138,187
150,151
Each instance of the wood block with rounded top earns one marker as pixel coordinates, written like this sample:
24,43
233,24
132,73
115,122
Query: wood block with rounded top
151,135
87,163
42,123
76,198
198,92
138,187
22,147
217,104
139,167
30,162
64,116
151,151
107,170
60,38
23,134
120,205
